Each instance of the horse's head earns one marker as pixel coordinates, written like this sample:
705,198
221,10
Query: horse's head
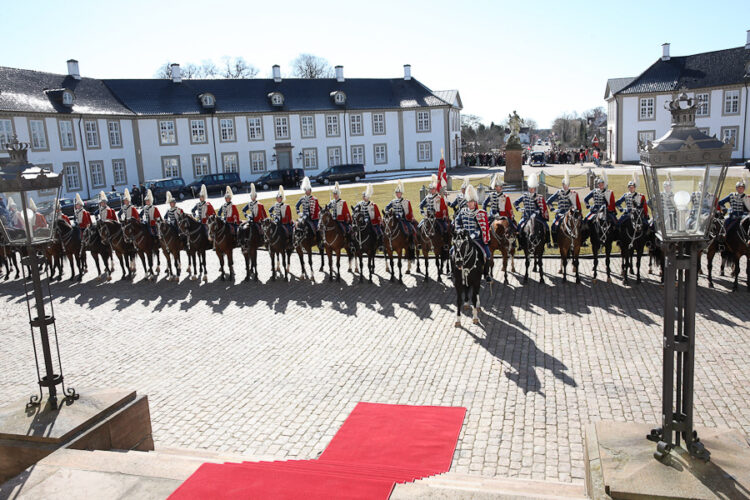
360,218
104,232
128,230
325,214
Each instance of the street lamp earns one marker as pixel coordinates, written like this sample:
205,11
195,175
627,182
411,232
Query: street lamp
684,172
29,231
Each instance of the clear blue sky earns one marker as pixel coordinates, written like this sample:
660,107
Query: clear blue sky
541,60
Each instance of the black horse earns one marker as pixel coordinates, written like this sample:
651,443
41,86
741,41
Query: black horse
467,264
250,238
603,233
93,243
364,240
633,236
534,236
279,244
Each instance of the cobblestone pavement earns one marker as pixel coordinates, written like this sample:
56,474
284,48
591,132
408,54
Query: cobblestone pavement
274,368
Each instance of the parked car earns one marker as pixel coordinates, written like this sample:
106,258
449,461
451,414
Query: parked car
66,206
175,185
216,183
289,177
114,200
537,159
354,172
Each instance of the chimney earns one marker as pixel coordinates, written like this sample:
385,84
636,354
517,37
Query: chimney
176,73
73,69
276,73
665,52
407,71
339,73
747,43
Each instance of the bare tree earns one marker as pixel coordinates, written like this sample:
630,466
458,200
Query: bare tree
310,66
164,71
231,68
238,68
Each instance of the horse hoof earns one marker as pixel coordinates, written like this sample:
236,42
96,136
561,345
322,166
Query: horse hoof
710,285
457,324
475,321
609,280
393,279
408,272
205,279
222,277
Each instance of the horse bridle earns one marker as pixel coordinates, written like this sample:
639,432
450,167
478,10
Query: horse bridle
462,247
568,229
360,223
603,226
533,242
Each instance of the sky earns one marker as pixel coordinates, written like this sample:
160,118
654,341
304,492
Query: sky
541,58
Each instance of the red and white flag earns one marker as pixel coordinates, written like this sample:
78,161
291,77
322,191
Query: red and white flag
442,176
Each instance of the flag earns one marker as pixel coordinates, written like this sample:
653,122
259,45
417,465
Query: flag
442,176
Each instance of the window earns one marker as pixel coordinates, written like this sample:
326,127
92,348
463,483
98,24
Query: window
207,100
281,127
646,135
455,121
310,158
358,154
6,132
307,126
378,123
255,128
201,166
226,128
115,138
167,133
355,122
67,98
334,156
332,125
381,154
67,134
729,134
119,173
230,163
198,131
257,161
170,166
72,176
38,135
277,99
704,104
339,97
646,108
96,169
424,151
423,121
91,127
705,130
731,102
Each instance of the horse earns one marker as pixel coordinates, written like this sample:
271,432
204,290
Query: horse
304,239
633,237
602,233
224,242
364,241
717,236
334,240
70,239
431,239
92,242
250,238
738,246
111,233
396,240
279,244
467,266
533,245
8,256
172,243
146,245
655,253
54,253
502,239
198,244
569,239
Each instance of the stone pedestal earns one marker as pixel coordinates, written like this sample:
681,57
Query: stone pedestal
98,420
513,166
620,464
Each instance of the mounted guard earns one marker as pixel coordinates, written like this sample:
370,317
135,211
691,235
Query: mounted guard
739,205
401,208
39,221
105,213
127,211
173,211
203,209
150,214
434,204
474,220
633,200
281,213
604,199
497,204
254,211
83,217
533,203
229,212
372,211
308,207
340,211
60,215
565,199
460,200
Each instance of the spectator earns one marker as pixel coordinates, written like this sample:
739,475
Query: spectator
596,157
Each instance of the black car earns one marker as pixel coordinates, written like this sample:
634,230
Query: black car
289,177
354,172
114,200
175,185
537,159
216,183
66,206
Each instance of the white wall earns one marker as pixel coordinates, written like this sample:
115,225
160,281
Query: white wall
411,137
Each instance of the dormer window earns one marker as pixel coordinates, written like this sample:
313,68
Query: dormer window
338,97
277,99
207,100
67,98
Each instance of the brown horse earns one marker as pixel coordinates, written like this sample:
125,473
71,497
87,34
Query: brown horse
304,241
250,238
502,239
569,239
140,236
738,246
279,244
172,244
111,233
198,244
7,257
396,240
54,253
93,243
224,242
334,240
70,238
717,237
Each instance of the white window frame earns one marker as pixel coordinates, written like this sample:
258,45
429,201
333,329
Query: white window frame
732,99
202,162
736,134
332,126
704,104
355,124
73,169
647,104
644,136
378,124
226,130
281,127
91,131
100,167
307,131
38,138
236,168
424,122
70,144
360,148
124,180
198,127
167,133
256,129
7,131
424,147
114,132
310,158
376,155
258,162
337,151
164,166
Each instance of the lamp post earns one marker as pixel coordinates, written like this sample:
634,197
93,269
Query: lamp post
29,231
684,172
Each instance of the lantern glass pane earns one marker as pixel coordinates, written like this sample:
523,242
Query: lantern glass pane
28,213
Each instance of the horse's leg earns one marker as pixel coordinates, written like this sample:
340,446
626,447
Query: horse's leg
747,271
709,266
595,251
540,266
391,269
476,304
426,255
177,265
338,265
230,263
736,272
329,252
526,274
576,252
303,275
310,262
360,260
564,262
638,257
607,250
221,265
400,276
459,302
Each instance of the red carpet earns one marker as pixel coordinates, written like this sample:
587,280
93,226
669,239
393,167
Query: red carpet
377,446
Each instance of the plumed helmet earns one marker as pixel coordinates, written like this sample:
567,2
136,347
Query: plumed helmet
11,202
228,193
493,181
32,205
204,191
368,191
149,196
740,182
604,178
465,183
399,187
336,189
634,181
253,194
306,184
471,194
433,181
533,181
170,199
566,179
126,195
281,194
79,201
102,197
667,183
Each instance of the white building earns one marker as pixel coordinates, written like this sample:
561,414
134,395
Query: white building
718,80
103,133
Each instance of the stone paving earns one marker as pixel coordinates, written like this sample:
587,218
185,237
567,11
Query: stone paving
274,368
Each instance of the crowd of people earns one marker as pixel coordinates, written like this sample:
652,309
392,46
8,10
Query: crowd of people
560,156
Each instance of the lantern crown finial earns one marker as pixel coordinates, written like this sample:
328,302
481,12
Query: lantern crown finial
18,152
683,109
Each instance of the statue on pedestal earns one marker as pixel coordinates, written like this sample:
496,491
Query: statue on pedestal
514,141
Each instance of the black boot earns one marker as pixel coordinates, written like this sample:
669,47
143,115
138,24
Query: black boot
487,276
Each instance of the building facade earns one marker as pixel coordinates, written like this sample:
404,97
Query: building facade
114,133
719,82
